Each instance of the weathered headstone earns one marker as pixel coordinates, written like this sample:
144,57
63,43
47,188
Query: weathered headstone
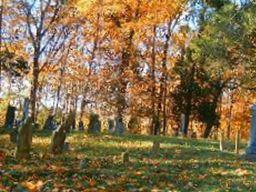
155,147
81,126
111,125
14,135
94,124
193,135
119,126
250,153
50,123
182,128
68,123
125,158
25,109
58,140
24,140
134,125
10,117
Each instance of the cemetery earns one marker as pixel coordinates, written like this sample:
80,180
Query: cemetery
127,95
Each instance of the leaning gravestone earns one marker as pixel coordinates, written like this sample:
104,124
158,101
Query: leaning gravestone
25,109
24,140
125,157
10,117
58,140
250,153
120,127
94,124
50,123
111,125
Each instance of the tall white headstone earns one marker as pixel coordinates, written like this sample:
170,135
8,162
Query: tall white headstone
251,149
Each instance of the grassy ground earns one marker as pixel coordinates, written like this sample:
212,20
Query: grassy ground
94,164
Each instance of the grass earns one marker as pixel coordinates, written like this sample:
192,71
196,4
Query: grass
94,164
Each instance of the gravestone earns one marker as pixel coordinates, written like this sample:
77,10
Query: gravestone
193,135
134,126
125,158
10,117
94,124
81,126
58,140
25,109
14,135
250,153
68,123
119,127
24,140
50,123
111,125
155,147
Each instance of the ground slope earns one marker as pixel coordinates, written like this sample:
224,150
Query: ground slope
94,164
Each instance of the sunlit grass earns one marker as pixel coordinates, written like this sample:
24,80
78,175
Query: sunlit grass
181,164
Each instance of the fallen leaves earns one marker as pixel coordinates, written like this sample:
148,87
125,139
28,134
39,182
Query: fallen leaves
2,158
177,167
241,172
32,186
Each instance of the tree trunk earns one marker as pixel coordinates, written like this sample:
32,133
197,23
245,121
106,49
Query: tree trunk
230,117
153,89
34,88
187,117
157,125
237,142
207,130
221,136
164,109
1,29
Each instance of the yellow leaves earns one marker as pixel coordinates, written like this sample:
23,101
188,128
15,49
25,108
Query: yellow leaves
132,13
57,169
33,187
179,38
85,5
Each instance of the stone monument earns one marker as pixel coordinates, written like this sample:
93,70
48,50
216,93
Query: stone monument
24,140
250,153
94,126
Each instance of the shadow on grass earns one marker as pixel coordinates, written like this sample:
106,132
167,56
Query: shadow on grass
178,173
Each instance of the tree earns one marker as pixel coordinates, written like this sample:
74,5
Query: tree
47,32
